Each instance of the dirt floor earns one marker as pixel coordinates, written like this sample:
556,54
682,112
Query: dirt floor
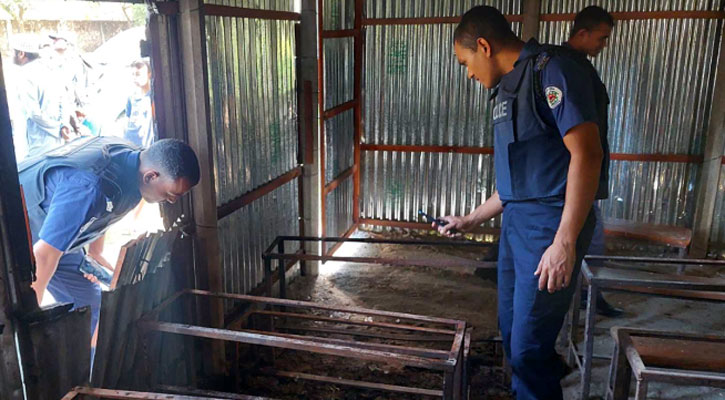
460,294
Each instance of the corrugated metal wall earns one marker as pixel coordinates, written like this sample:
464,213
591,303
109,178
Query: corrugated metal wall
573,6
416,93
339,81
433,8
253,112
277,5
660,77
246,233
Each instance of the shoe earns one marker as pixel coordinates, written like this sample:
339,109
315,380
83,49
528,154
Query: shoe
603,307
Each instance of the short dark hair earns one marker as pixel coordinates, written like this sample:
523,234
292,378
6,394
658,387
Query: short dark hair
175,158
591,17
483,22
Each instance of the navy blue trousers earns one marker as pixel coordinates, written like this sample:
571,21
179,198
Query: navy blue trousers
529,319
68,285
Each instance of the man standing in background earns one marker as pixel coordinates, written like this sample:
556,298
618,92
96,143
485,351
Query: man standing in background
589,35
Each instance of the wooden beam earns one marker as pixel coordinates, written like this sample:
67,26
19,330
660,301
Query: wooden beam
338,33
644,15
321,104
673,158
247,198
239,12
709,178
209,272
421,226
358,61
346,235
341,108
427,148
427,20
339,179
530,26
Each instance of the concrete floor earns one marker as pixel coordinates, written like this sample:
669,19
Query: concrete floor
458,293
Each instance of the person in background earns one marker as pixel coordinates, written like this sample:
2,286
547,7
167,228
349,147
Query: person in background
589,35
26,49
139,128
47,103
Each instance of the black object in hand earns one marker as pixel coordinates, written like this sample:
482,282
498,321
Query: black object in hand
93,267
437,221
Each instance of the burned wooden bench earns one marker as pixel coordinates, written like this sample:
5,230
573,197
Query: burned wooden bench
280,328
625,277
679,358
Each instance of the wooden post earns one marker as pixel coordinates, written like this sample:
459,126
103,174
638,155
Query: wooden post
203,196
309,110
530,25
709,178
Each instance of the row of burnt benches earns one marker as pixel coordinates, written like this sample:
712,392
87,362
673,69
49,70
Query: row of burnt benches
648,355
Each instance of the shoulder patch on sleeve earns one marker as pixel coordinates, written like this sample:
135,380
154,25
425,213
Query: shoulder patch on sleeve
553,96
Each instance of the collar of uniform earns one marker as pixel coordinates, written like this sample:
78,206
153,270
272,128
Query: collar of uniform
530,48
129,163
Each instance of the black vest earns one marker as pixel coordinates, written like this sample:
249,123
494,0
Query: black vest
531,160
89,154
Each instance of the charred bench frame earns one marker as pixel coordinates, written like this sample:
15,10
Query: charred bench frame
452,363
648,283
83,392
290,259
627,360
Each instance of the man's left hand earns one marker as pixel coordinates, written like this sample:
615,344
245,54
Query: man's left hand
556,266
92,278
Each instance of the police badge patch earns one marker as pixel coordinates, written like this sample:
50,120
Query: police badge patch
553,96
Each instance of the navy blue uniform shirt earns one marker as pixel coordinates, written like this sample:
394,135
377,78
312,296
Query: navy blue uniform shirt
74,198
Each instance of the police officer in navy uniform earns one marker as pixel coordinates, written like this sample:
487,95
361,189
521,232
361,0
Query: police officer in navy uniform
74,193
588,37
548,159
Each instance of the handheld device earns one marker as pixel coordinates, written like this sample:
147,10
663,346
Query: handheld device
438,221
93,267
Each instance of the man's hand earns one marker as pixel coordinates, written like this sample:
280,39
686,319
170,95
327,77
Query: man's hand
460,224
556,266
92,278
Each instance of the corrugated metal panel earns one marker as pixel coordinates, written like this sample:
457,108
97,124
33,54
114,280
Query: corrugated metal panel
339,137
277,5
338,14
417,93
660,77
253,102
246,233
396,185
717,236
338,210
339,71
573,6
652,192
433,8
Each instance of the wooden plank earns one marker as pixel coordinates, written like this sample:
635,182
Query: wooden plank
664,234
339,109
426,20
644,15
421,226
358,384
427,149
338,33
358,61
530,26
346,235
709,179
674,158
240,12
321,106
249,197
196,93
687,354
339,179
